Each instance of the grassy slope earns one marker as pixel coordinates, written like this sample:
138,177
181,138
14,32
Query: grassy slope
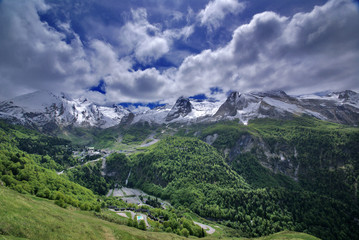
35,218
29,217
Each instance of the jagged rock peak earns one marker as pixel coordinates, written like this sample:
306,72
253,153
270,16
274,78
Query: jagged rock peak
233,95
182,107
183,104
43,107
233,98
347,94
235,101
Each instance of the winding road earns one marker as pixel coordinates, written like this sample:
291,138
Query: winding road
210,230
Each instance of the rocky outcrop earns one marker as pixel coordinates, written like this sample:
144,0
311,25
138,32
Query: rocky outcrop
234,102
182,107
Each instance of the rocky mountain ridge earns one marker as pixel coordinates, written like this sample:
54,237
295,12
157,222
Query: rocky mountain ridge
46,110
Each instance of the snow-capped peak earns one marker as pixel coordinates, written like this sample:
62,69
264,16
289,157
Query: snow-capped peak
36,102
42,107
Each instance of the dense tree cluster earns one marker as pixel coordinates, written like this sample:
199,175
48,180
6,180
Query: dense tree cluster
21,172
183,161
90,177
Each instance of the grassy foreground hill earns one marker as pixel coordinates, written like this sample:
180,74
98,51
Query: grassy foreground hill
29,217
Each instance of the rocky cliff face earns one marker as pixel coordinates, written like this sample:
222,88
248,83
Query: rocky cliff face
181,108
234,103
281,158
312,153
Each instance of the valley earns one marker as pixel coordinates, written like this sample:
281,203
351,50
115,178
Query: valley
223,178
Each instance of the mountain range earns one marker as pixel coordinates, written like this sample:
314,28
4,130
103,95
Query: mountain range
45,110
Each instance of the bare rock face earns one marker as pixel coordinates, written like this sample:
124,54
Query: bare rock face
229,107
339,107
128,119
347,95
234,102
182,107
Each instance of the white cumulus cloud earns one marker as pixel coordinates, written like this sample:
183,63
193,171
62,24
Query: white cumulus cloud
33,55
307,52
216,11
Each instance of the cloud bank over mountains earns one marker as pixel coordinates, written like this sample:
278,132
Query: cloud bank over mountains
148,53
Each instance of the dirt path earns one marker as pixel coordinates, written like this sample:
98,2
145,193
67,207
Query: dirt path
150,143
152,138
210,230
109,235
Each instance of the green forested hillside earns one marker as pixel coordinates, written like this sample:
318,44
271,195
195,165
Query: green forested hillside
90,177
22,171
49,151
188,160
192,174
327,154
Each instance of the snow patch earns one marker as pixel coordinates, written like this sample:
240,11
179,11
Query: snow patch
283,105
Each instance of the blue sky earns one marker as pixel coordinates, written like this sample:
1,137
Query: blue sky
153,51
